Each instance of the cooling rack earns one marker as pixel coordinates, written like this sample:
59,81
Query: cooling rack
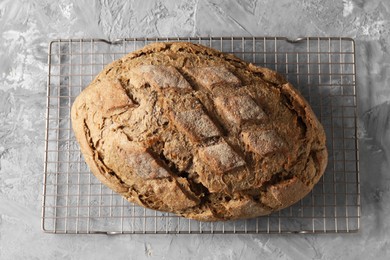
323,69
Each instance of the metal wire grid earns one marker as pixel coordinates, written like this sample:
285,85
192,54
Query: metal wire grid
323,69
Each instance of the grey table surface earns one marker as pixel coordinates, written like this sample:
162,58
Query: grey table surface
26,27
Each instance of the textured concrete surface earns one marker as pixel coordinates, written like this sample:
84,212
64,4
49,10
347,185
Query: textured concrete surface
26,27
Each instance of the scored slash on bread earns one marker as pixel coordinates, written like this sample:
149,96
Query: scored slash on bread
239,109
195,124
183,128
210,77
220,157
159,77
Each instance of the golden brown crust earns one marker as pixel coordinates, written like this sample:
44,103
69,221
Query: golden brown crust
183,128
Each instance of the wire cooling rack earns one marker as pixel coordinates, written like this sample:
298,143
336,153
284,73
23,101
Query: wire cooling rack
323,69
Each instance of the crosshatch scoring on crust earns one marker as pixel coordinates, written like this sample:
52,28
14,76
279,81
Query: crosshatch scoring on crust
189,125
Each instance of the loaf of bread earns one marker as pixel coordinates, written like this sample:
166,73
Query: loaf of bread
183,128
